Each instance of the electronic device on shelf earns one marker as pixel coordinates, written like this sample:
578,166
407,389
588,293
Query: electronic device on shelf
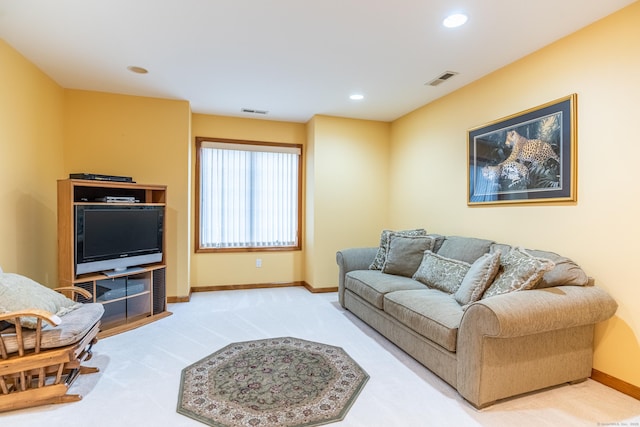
96,177
117,199
117,237
107,292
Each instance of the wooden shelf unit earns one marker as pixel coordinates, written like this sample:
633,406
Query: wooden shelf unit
130,299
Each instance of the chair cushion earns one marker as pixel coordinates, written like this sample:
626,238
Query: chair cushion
72,328
21,293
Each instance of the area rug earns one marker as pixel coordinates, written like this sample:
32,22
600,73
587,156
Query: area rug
286,382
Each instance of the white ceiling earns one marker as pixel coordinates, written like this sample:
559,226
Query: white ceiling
293,58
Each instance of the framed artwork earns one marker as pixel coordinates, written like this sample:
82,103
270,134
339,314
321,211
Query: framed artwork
528,157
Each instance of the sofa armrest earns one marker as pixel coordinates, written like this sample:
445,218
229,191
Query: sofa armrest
350,260
523,341
538,310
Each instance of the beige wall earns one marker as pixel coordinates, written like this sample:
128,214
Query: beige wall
224,269
428,168
347,180
147,139
31,138
333,182
309,189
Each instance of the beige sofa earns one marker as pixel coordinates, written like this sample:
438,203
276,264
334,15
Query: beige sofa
484,326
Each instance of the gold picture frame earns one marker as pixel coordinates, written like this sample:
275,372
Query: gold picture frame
528,157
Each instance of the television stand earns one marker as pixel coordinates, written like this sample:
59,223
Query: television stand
131,297
120,272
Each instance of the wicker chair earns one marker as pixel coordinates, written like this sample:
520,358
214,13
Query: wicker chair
38,365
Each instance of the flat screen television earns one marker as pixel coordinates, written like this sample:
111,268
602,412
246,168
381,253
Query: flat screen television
115,238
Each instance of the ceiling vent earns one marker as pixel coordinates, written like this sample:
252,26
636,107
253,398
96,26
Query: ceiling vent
253,111
441,78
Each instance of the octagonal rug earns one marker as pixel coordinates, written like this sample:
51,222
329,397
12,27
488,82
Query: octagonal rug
286,382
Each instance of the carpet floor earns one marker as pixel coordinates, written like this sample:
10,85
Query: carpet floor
140,371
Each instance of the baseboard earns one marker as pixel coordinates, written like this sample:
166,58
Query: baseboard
179,299
616,384
319,290
263,286
305,285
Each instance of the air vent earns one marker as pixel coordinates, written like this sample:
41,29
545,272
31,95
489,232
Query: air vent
442,78
253,111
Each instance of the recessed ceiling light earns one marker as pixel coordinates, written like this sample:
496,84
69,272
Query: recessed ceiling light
137,70
356,97
455,20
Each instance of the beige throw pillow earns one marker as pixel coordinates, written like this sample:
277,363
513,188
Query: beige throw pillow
381,255
404,253
482,272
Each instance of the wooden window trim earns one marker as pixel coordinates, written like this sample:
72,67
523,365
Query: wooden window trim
198,248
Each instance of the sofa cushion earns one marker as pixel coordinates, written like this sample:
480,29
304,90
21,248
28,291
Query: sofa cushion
429,312
438,241
72,328
467,249
518,271
440,272
381,254
21,293
372,285
478,278
404,253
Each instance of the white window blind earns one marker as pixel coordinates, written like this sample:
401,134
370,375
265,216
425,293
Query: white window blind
248,195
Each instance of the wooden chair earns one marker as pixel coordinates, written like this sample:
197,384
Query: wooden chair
37,366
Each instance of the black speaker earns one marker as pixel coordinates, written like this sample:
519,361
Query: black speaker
159,291
88,286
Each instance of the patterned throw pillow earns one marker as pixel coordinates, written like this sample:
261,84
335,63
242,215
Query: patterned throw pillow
518,271
21,293
381,255
566,272
482,272
445,274
404,253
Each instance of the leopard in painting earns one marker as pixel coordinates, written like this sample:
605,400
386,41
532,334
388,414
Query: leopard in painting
511,170
534,151
525,153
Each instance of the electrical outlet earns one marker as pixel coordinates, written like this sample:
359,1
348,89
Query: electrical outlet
258,262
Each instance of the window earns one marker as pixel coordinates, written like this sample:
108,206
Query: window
249,195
